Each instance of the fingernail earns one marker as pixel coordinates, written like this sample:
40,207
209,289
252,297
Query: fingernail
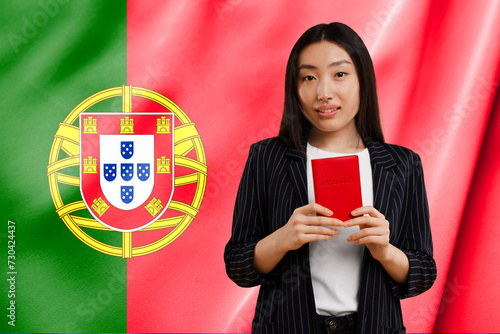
347,223
348,239
330,212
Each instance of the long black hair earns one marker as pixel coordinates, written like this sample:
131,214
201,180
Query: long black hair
294,126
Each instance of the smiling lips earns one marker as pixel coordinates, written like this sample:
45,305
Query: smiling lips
327,110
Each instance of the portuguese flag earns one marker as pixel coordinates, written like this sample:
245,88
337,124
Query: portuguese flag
214,69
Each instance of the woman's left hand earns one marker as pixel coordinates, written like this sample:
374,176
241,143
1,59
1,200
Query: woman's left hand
374,231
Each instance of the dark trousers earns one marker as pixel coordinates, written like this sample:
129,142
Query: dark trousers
336,325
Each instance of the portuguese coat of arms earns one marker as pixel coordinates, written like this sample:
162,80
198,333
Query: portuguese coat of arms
126,167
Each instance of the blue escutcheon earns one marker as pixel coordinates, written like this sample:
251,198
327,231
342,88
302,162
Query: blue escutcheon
127,194
109,172
127,171
127,149
143,171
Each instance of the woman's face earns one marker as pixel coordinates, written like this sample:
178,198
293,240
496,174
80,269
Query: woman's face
328,89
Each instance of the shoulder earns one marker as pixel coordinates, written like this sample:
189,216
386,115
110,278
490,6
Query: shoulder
397,151
270,147
272,157
401,155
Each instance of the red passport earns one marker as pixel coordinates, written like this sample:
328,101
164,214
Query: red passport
337,185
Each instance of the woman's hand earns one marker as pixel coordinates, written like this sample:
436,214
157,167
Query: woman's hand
301,228
374,234
304,227
373,231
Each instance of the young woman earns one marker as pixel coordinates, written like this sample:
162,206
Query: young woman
319,274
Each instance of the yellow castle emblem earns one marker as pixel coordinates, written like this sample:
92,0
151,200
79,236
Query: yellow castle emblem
154,206
127,125
163,165
90,125
90,165
163,125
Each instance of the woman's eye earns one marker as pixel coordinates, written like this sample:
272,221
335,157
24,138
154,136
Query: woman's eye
340,74
308,78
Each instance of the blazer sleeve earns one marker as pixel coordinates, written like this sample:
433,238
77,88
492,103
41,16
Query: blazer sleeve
418,240
249,223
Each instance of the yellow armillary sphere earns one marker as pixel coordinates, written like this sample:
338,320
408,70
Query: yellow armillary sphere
186,139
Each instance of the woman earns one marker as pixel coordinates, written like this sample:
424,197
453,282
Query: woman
319,274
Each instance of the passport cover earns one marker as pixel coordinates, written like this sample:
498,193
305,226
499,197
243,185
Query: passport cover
337,184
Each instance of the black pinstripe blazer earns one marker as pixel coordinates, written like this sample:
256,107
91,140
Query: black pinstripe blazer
274,184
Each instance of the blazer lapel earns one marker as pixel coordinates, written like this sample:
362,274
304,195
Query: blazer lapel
383,173
297,174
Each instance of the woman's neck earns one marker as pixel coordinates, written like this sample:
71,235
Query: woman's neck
336,142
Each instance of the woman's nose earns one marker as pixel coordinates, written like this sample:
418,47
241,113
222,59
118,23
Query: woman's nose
325,90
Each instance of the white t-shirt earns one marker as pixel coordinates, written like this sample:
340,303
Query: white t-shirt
336,263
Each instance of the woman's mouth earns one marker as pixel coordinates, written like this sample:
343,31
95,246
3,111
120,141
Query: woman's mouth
327,111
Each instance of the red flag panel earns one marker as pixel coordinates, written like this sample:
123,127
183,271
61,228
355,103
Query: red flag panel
223,63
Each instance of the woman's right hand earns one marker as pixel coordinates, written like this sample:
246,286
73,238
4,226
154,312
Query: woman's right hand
301,228
304,227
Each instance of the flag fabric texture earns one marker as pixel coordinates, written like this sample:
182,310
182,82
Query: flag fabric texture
218,66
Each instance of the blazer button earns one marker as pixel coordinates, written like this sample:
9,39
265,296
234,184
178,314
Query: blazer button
332,324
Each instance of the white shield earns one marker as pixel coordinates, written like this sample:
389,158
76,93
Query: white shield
134,179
